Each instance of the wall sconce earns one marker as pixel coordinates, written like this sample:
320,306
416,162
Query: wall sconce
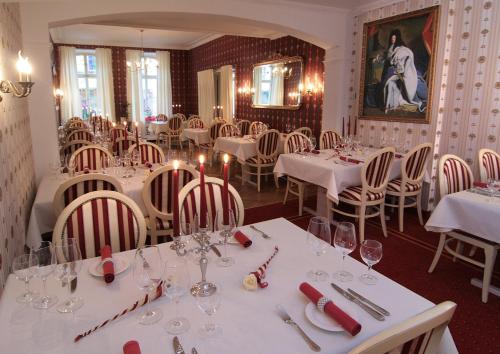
246,90
59,94
23,87
311,87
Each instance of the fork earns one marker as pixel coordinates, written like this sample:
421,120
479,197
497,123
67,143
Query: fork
288,320
260,231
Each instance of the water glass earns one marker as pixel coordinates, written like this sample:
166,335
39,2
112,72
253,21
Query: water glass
312,140
70,261
226,228
319,238
177,284
371,253
491,186
46,263
345,242
209,303
24,268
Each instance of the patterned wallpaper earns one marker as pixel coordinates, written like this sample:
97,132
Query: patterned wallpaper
17,177
465,115
242,53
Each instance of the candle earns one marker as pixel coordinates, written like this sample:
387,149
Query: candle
349,126
175,196
107,123
93,125
100,123
203,197
137,135
343,124
225,191
355,126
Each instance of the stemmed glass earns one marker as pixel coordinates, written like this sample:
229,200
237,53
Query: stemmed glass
46,264
491,185
312,141
177,285
69,259
344,241
226,228
371,253
209,304
148,272
318,240
24,268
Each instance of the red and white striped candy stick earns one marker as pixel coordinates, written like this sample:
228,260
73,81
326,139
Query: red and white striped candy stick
136,305
261,272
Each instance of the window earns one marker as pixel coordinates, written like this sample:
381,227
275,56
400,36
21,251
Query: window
150,85
265,85
87,81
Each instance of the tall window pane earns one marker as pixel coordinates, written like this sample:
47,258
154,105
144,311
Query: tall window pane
87,81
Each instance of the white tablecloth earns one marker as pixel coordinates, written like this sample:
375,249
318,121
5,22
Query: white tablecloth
470,212
242,147
198,135
159,126
249,321
333,174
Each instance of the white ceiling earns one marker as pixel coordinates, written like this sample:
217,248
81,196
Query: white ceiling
342,4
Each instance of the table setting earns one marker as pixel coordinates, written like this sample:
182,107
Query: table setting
242,147
197,135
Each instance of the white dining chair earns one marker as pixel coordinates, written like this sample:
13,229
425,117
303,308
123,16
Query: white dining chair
489,165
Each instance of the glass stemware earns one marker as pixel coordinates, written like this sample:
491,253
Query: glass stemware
344,241
318,240
177,284
226,228
209,304
371,253
312,140
491,187
69,265
24,268
148,272
46,264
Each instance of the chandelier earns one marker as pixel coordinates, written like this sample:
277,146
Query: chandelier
144,62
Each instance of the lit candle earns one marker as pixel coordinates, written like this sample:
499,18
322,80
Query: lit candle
203,197
100,123
225,191
137,135
175,197
343,124
23,66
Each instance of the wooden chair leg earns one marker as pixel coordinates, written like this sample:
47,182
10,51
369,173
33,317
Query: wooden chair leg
301,197
490,253
154,235
286,190
419,208
401,212
276,181
362,212
382,219
243,169
472,251
258,178
439,250
459,249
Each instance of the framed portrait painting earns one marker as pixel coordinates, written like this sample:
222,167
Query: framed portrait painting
397,67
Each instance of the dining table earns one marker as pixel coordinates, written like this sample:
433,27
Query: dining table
249,319
243,147
197,135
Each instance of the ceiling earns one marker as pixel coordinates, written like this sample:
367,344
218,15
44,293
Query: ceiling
342,4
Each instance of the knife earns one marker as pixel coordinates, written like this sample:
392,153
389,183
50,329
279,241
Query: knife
73,283
375,306
216,250
178,349
375,314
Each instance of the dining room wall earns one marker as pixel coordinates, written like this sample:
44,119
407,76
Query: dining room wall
17,183
242,53
466,98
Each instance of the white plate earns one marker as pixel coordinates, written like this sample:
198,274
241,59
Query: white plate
319,319
121,265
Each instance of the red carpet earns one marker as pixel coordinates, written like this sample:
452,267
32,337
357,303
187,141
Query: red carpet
407,257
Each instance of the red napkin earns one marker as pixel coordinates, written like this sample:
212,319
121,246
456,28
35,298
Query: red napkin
131,347
480,184
398,155
342,318
348,159
242,239
86,169
312,151
108,268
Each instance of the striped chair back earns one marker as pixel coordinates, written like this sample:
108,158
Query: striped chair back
157,190
305,130
116,133
121,146
267,144
195,123
329,139
181,116
414,162
191,116
80,134
295,141
375,170
149,152
101,218
454,175
214,131
420,334
244,127
174,125
91,157
228,130
77,186
489,165
189,200
70,147
161,117
257,128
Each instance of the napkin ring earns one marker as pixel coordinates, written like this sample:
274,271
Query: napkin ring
321,303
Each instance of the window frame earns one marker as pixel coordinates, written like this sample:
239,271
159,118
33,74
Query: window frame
145,76
86,75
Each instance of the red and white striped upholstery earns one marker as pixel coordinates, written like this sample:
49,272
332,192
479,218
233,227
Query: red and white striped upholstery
121,146
454,175
295,141
489,165
149,152
214,131
116,133
76,124
174,125
72,146
377,169
354,193
243,127
161,117
257,128
101,218
416,162
329,139
80,185
395,186
189,200
260,160
228,130
267,147
195,123
80,134
304,130
90,157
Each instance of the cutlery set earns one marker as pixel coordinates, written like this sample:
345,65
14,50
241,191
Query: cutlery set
178,349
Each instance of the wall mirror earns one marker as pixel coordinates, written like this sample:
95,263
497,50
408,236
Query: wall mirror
278,83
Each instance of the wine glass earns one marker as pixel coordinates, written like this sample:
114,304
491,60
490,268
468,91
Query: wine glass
177,284
371,253
24,268
344,241
318,240
491,186
46,264
209,303
69,265
313,142
226,225
148,272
